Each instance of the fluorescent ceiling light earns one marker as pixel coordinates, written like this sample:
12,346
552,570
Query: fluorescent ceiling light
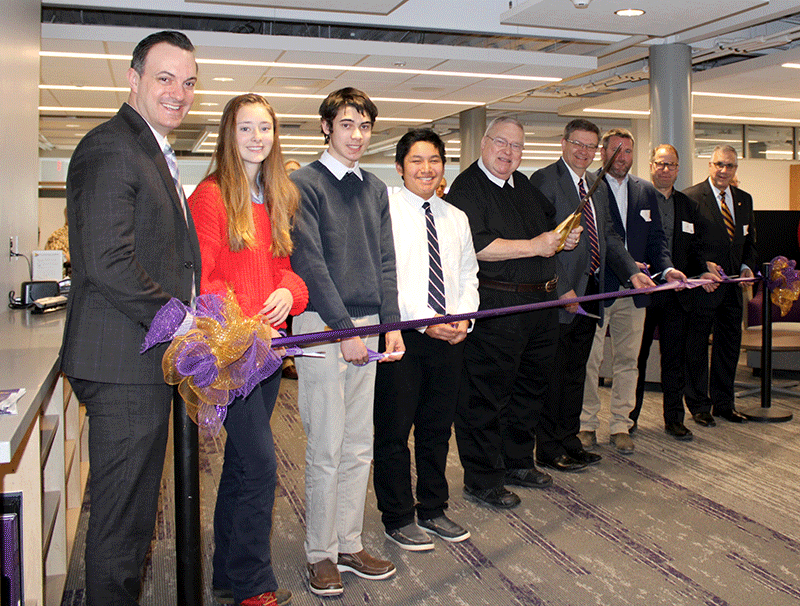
792,65
632,112
315,66
751,97
232,93
629,12
105,110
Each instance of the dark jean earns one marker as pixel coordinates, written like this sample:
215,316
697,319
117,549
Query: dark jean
246,495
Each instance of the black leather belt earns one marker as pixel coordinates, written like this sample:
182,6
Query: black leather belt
548,286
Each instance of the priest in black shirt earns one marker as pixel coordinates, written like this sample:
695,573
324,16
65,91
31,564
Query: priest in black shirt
508,359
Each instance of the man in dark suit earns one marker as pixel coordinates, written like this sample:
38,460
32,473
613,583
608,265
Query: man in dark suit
133,247
581,271
669,311
634,214
727,241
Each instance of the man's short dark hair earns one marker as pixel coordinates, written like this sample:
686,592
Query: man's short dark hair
581,124
353,97
407,141
170,37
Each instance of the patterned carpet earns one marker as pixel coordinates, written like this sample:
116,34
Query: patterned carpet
714,521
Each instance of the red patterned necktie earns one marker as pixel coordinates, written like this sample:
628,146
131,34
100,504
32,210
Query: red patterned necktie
726,215
591,231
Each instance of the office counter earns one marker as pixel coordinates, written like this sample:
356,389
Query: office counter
43,451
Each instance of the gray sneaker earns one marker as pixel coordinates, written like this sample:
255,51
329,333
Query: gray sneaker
411,538
445,528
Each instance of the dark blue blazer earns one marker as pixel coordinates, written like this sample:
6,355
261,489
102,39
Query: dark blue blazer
641,231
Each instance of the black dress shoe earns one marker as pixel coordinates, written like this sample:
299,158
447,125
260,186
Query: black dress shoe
496,497
732,415
583,456
563,463
679,431
704,418
529,478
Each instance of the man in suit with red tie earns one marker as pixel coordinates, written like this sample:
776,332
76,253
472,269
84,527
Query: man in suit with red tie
581,271
727,241
133,247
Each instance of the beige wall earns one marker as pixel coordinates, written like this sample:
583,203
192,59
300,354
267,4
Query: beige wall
19,152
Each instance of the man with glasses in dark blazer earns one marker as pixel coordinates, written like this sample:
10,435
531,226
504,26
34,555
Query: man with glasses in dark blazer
727,236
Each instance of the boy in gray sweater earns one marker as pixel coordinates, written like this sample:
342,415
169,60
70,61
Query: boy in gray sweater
344,251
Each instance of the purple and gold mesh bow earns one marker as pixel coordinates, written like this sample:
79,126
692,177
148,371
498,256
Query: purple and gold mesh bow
224,355
784,283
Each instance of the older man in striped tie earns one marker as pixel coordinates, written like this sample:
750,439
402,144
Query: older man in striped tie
727,238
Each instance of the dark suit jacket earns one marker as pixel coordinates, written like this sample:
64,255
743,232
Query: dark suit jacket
131,251
713,241
645,242
555,182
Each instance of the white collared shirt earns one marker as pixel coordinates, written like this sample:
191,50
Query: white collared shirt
496,180
728,199
338,169
459,264
620,191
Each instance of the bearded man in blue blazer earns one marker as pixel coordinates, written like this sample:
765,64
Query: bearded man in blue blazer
634,213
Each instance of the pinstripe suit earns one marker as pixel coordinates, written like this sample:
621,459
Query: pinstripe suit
560,422
131,251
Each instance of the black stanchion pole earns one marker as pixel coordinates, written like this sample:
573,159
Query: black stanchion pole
187,506
766,413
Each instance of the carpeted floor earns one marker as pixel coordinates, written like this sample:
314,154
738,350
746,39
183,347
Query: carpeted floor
714,521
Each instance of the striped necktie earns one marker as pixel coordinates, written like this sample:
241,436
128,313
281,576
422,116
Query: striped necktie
591,231
172,163
726,215
435,275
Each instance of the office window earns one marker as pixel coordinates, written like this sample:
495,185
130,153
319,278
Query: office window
770,142
708,135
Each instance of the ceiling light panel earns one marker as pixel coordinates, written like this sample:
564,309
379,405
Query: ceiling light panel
660,18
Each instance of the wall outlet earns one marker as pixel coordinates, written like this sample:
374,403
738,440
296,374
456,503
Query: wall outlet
12,247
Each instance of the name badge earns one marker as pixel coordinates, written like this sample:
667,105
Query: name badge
645,213
746,229
687,227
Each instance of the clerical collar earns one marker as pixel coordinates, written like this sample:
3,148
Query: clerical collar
496,180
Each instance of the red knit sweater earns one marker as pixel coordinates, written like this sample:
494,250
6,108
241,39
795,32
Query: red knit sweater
253,274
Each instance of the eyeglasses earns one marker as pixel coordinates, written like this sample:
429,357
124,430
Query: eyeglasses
721,165
503,144
580,145
666,165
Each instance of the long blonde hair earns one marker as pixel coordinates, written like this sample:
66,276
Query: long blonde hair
280,194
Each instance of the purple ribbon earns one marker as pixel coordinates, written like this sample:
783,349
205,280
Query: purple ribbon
346,333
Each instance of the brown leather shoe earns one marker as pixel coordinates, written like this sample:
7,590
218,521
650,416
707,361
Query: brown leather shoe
324,578
365,565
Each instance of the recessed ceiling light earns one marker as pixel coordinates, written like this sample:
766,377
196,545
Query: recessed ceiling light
208,104
223,79
629,12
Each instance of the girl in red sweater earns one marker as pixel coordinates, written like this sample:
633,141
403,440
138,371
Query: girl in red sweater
243,213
